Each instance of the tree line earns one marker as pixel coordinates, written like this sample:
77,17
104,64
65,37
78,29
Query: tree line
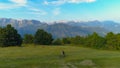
110,41
9,36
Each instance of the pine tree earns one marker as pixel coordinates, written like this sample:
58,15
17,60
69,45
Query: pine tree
9,36
43,38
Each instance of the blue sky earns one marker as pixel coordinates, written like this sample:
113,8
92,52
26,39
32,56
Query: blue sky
61,10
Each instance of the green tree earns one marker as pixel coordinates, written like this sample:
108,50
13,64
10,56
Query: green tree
2,36
111,40
117,41
10,37
66,40
57,42
43,38
78,40
95,41
28,39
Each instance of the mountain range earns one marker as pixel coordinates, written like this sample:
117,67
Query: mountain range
108,25
62,29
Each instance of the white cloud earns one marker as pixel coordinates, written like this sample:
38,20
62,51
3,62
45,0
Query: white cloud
19,1
13,4
8,6
57,2
46,3
56,11
3,6
60,2
36,11
81,1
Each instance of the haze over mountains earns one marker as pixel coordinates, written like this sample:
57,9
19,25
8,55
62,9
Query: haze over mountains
61,29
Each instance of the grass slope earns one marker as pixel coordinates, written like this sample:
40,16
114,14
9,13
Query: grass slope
50,57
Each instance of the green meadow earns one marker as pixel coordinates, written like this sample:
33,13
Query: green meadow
50,57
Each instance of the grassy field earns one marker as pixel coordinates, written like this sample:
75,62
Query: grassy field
50,57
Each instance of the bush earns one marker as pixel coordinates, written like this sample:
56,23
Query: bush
57,42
